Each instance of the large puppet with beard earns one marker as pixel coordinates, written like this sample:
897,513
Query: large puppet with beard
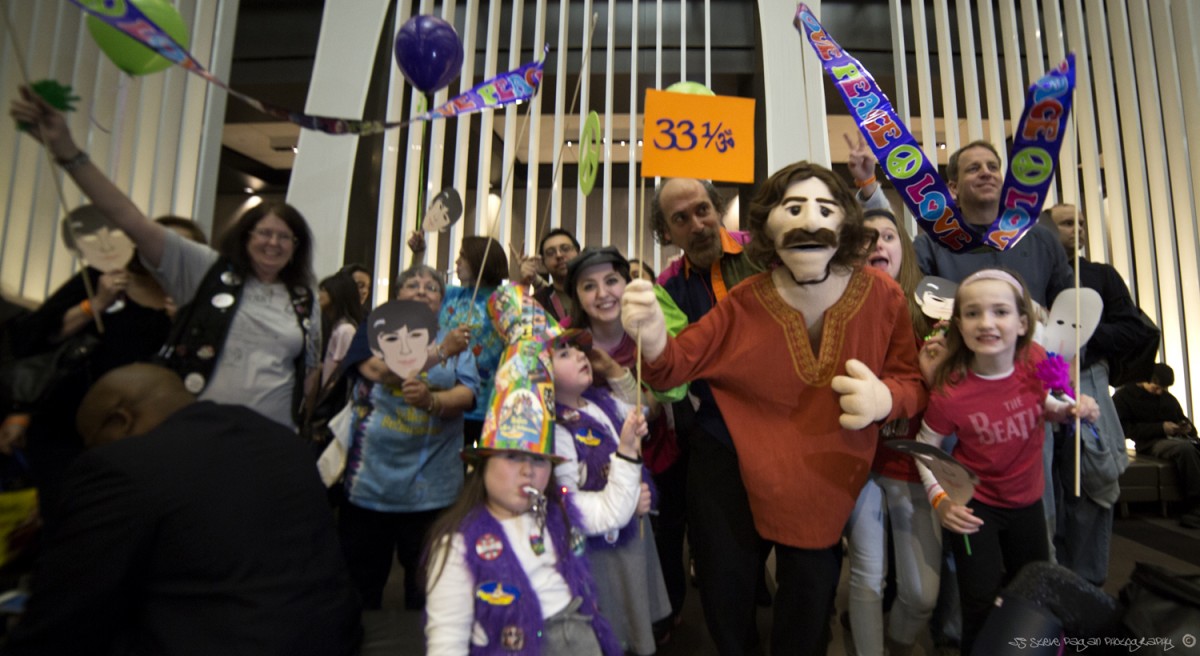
806,361
805,218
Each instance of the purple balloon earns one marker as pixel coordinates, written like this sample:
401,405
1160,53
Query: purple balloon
429,53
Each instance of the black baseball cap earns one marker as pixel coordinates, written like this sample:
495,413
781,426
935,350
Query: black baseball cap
592,256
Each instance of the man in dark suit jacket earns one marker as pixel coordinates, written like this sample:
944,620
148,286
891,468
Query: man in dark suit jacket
207,531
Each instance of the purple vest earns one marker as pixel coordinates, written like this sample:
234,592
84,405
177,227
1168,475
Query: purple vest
586,429
506,605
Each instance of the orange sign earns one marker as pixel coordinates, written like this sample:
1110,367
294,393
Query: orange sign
693,136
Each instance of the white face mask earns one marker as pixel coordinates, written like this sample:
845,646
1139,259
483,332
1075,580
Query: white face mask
102,246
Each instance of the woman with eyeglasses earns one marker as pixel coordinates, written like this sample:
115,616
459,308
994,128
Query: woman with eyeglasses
248,329
403,467
480,260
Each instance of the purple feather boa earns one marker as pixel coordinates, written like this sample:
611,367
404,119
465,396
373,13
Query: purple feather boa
1055,374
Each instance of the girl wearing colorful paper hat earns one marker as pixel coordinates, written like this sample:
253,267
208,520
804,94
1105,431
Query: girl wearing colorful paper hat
506,567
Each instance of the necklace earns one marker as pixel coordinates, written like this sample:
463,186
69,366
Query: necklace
820,280
536,541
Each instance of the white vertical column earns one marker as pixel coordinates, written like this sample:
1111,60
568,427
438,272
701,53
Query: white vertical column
1068,158
1130,134
434,158
585,71
900,71
389,167
610,55
560,119
945,50
33,212
708,43
68,66
1084,111
1185,17
487,135
1035,64
1116,220
635,210
991,73
534,133
658,84
324,164
1162,114
462,139
682,40
966,46
817,140
1013,75
928,127
794,90
512,135
899,61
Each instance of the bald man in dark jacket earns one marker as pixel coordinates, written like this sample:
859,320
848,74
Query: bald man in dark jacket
191,528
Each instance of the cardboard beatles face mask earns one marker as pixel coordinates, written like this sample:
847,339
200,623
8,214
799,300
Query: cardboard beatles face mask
935,296
444,210
400,332
88,233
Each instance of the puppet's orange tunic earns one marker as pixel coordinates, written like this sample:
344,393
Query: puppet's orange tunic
802,470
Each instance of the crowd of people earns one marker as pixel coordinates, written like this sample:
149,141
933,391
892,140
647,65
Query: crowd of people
179,507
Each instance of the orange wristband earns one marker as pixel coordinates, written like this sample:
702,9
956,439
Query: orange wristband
938,498
865,183
86,306
18,419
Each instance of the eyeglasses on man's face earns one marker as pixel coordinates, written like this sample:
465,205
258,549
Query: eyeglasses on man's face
566,250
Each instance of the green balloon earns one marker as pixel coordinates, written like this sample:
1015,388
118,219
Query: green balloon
131,55
694,88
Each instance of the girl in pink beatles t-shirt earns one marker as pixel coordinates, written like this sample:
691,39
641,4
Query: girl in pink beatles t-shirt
987,392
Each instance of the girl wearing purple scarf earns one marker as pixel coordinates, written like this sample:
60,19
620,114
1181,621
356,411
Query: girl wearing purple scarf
590,424
506,567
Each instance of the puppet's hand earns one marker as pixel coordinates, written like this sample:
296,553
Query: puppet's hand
641,314
864,397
